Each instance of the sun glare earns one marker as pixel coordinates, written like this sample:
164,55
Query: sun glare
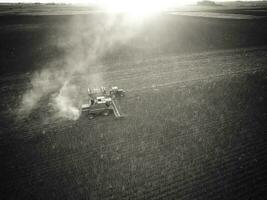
135,7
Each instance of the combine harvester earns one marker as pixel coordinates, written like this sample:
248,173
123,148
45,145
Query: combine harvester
102,103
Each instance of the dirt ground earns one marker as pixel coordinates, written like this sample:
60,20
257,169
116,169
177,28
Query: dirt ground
195,125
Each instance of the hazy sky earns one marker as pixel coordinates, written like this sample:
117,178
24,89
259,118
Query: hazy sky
88,1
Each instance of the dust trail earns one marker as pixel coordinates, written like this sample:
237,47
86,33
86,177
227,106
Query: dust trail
85,41
64,102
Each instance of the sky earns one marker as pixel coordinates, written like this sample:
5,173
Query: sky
129,6
92,1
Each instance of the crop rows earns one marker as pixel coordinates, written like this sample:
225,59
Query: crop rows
195,137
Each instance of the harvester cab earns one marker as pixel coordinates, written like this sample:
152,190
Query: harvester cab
103,100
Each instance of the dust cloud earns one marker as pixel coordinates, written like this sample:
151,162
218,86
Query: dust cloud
84,42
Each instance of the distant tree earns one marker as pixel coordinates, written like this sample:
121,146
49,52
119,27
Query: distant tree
206,3
50,4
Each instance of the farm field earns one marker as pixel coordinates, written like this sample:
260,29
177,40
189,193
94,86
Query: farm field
195,114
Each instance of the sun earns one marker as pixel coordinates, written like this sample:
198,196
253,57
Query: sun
135,7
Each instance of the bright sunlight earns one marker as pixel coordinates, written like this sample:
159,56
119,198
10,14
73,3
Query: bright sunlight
138,7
